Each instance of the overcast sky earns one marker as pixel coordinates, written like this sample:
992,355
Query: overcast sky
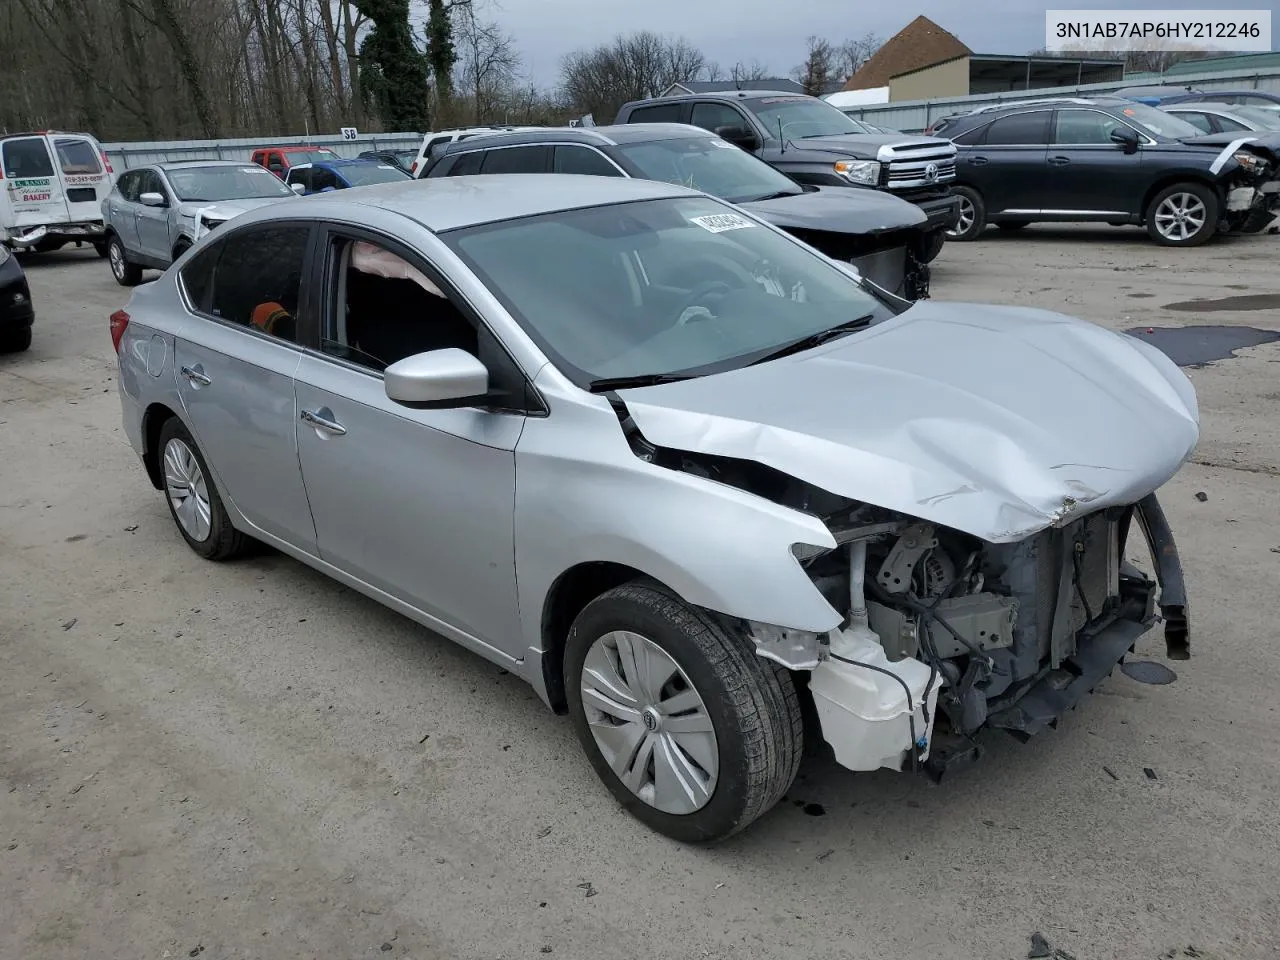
774,32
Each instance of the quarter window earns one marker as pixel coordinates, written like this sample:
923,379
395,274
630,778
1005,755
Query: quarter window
466,164
1020,129
1198,120
1080,127
252,278
532,159
583,160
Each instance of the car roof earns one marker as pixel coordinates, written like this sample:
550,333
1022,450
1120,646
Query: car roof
598,136
192,164
724,95
294,148
1210,105
985,114
446,203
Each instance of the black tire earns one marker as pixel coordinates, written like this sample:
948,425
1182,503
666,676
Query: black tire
16,342
1158,228
973,210
127,274
101,249
181,247
752,703
1012,224
224,542
933,245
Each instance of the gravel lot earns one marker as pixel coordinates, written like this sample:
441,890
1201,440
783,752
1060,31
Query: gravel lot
249,760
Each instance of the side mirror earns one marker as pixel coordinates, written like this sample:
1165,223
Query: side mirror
151,199
437,380
1126,138
740,137
299,188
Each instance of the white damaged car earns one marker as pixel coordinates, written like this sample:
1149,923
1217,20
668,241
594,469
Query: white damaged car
673,467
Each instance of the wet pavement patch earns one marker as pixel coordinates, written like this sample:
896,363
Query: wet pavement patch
1147,671
1197,346
1252,301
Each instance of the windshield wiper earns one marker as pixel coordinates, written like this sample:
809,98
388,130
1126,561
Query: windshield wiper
771,196
816,339
637,380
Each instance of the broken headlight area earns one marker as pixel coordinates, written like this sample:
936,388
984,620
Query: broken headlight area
996,635
894,260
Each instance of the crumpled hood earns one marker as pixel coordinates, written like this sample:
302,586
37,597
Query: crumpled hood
1264,143
997,421
226,209
840,210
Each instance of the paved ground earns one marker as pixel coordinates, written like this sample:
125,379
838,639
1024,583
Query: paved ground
229,761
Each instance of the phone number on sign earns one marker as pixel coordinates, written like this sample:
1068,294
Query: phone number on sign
1163,30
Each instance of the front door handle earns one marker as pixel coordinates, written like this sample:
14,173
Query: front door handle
196,375
977,161
1059,161
322,419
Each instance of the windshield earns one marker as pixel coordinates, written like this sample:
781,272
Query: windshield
360,174
801,117
1158,123
214,184
711,165
1258,116
684,285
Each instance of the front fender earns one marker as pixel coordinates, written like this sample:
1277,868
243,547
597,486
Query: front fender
583,496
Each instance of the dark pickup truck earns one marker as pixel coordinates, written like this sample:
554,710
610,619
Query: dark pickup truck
814,143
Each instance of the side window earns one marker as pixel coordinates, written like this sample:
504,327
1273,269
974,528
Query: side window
659,113
26,157
300,175
969,137
716,116
197,277
275,162
1227,124
1080,127
77,156
465,164
1198,120
149,182
1020,129
257,279
531,159
322,177
583,160
259,158
387,306
128,185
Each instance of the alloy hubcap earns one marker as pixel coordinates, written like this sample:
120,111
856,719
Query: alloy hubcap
117,259
185,484
649,722
966,218
1180,216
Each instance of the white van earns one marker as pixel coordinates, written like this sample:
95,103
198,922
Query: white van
51,190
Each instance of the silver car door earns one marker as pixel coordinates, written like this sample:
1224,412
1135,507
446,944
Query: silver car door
235,369
121,205
153,222
416,503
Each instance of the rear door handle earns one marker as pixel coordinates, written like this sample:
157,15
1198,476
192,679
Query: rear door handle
1059,161
322,419
196,375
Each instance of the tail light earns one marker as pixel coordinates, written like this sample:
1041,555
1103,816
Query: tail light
106,162
414,168
119,321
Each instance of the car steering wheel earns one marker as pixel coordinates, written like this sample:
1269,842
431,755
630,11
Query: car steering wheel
695,297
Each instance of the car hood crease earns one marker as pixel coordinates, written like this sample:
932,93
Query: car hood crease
996,421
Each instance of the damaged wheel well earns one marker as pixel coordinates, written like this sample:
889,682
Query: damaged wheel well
572,591
152,422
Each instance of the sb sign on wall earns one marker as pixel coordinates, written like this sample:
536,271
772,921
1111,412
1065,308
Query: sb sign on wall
349,133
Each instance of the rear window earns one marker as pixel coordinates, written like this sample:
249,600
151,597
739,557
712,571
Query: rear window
27,157
76,155
662,113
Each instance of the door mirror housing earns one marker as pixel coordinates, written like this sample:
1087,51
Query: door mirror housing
739,136
437,380
152,199
298,188
1126,138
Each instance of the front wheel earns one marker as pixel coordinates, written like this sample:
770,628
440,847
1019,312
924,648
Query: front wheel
693,733
973,215
1183,215
16,342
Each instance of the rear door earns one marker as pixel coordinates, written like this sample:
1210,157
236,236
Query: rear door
84,179
1006,163
1089,175
33,190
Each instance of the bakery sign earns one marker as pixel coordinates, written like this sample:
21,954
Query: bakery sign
32,190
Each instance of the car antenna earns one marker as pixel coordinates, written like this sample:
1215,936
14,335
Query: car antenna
780,137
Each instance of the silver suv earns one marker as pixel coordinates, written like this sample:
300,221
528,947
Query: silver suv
156,212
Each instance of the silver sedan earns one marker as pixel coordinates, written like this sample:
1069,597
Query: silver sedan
679,471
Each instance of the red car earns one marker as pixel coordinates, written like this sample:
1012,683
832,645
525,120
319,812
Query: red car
279,159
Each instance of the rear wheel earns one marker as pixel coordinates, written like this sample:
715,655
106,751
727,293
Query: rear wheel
1183,215
693,733
194,502
16,342
973,215
127,274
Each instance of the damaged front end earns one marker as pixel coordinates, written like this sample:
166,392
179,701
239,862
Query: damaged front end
894,260
1252,185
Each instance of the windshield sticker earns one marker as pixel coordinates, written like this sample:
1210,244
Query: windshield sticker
1130,112
723,143
720,222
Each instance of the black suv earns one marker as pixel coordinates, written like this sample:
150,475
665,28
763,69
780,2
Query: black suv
812,142
1114,161
884,237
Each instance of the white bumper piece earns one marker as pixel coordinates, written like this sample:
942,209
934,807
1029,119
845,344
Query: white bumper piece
866,714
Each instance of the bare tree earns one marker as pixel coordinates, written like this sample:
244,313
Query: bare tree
819,68
632,67
487,66
742,72
852,54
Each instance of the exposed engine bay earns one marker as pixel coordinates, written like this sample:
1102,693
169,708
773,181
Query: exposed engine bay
946,634
1253,188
